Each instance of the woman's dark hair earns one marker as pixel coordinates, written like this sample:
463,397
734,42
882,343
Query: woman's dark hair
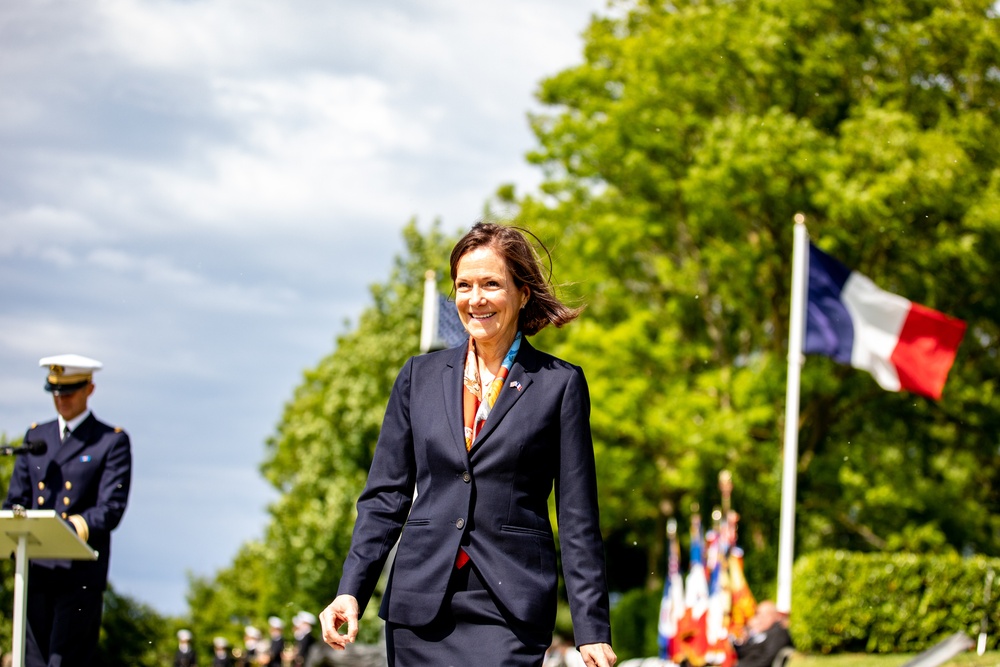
543,308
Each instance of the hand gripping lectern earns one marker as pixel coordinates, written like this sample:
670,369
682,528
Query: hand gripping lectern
35,534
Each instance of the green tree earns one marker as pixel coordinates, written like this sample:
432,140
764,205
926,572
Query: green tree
676,156
235,597
133,634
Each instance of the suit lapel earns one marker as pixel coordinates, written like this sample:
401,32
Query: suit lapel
452,386
76,441
515,386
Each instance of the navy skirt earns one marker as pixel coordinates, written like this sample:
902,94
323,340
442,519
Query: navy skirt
471,629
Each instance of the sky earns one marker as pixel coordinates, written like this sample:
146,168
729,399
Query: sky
198,193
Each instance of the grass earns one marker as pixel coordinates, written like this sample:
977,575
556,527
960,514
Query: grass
967,659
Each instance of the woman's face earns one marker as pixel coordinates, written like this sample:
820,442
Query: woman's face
488,302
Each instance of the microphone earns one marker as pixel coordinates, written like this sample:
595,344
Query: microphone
37,448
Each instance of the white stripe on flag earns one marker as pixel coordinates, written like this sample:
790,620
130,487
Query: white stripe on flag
878,317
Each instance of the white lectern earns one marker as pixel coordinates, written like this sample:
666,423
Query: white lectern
35,534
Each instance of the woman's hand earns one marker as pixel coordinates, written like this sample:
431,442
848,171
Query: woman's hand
598,655
344,609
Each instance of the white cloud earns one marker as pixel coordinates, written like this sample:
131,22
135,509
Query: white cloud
187,288
177,35
26,337
45,226
305,146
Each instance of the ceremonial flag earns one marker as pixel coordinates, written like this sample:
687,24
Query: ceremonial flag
905,346
691,641
743,605
842,314
440,326
672,602
718,649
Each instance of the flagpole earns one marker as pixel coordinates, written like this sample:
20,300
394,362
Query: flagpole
429,316
796,331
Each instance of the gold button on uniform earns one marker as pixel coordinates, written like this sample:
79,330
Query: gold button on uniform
69,485
41,500
64,515
65,501
41,486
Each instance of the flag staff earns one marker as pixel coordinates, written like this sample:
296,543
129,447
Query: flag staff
796,332
430,314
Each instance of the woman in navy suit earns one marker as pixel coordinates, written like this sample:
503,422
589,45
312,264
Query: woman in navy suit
474,441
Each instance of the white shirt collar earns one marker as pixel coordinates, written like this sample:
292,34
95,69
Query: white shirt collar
73,423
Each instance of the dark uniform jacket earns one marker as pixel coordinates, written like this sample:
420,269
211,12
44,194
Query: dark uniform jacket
761,649
89,474
302,648
276,649
493,500
185,658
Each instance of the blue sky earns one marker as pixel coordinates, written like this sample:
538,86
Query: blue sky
198,193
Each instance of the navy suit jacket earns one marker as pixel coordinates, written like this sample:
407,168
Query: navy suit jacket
89,474
493,501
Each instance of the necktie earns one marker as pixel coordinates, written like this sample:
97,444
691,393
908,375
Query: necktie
65,433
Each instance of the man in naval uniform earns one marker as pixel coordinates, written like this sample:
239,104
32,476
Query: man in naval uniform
303,624
84,475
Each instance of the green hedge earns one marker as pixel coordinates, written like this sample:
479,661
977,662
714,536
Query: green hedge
634,621
890,602
854,602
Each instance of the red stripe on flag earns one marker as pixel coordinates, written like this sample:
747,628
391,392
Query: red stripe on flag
926,350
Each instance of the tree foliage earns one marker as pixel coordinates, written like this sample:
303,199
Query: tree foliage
133,634
675,156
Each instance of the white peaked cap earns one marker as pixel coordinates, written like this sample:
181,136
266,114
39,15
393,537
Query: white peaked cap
73,363
68,372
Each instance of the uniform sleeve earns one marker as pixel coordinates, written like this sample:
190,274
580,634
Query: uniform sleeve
580,540
113,488
386,499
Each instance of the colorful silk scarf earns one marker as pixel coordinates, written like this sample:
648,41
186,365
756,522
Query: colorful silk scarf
475,409
475,406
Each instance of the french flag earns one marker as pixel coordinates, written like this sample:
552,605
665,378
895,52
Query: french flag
905,346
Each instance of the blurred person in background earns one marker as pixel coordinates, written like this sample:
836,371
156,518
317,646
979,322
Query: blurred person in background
766,635
185,656
302,627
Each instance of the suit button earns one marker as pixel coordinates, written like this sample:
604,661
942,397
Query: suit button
460,523
466,477
41,486
69,485
65,501
41,500
64,515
